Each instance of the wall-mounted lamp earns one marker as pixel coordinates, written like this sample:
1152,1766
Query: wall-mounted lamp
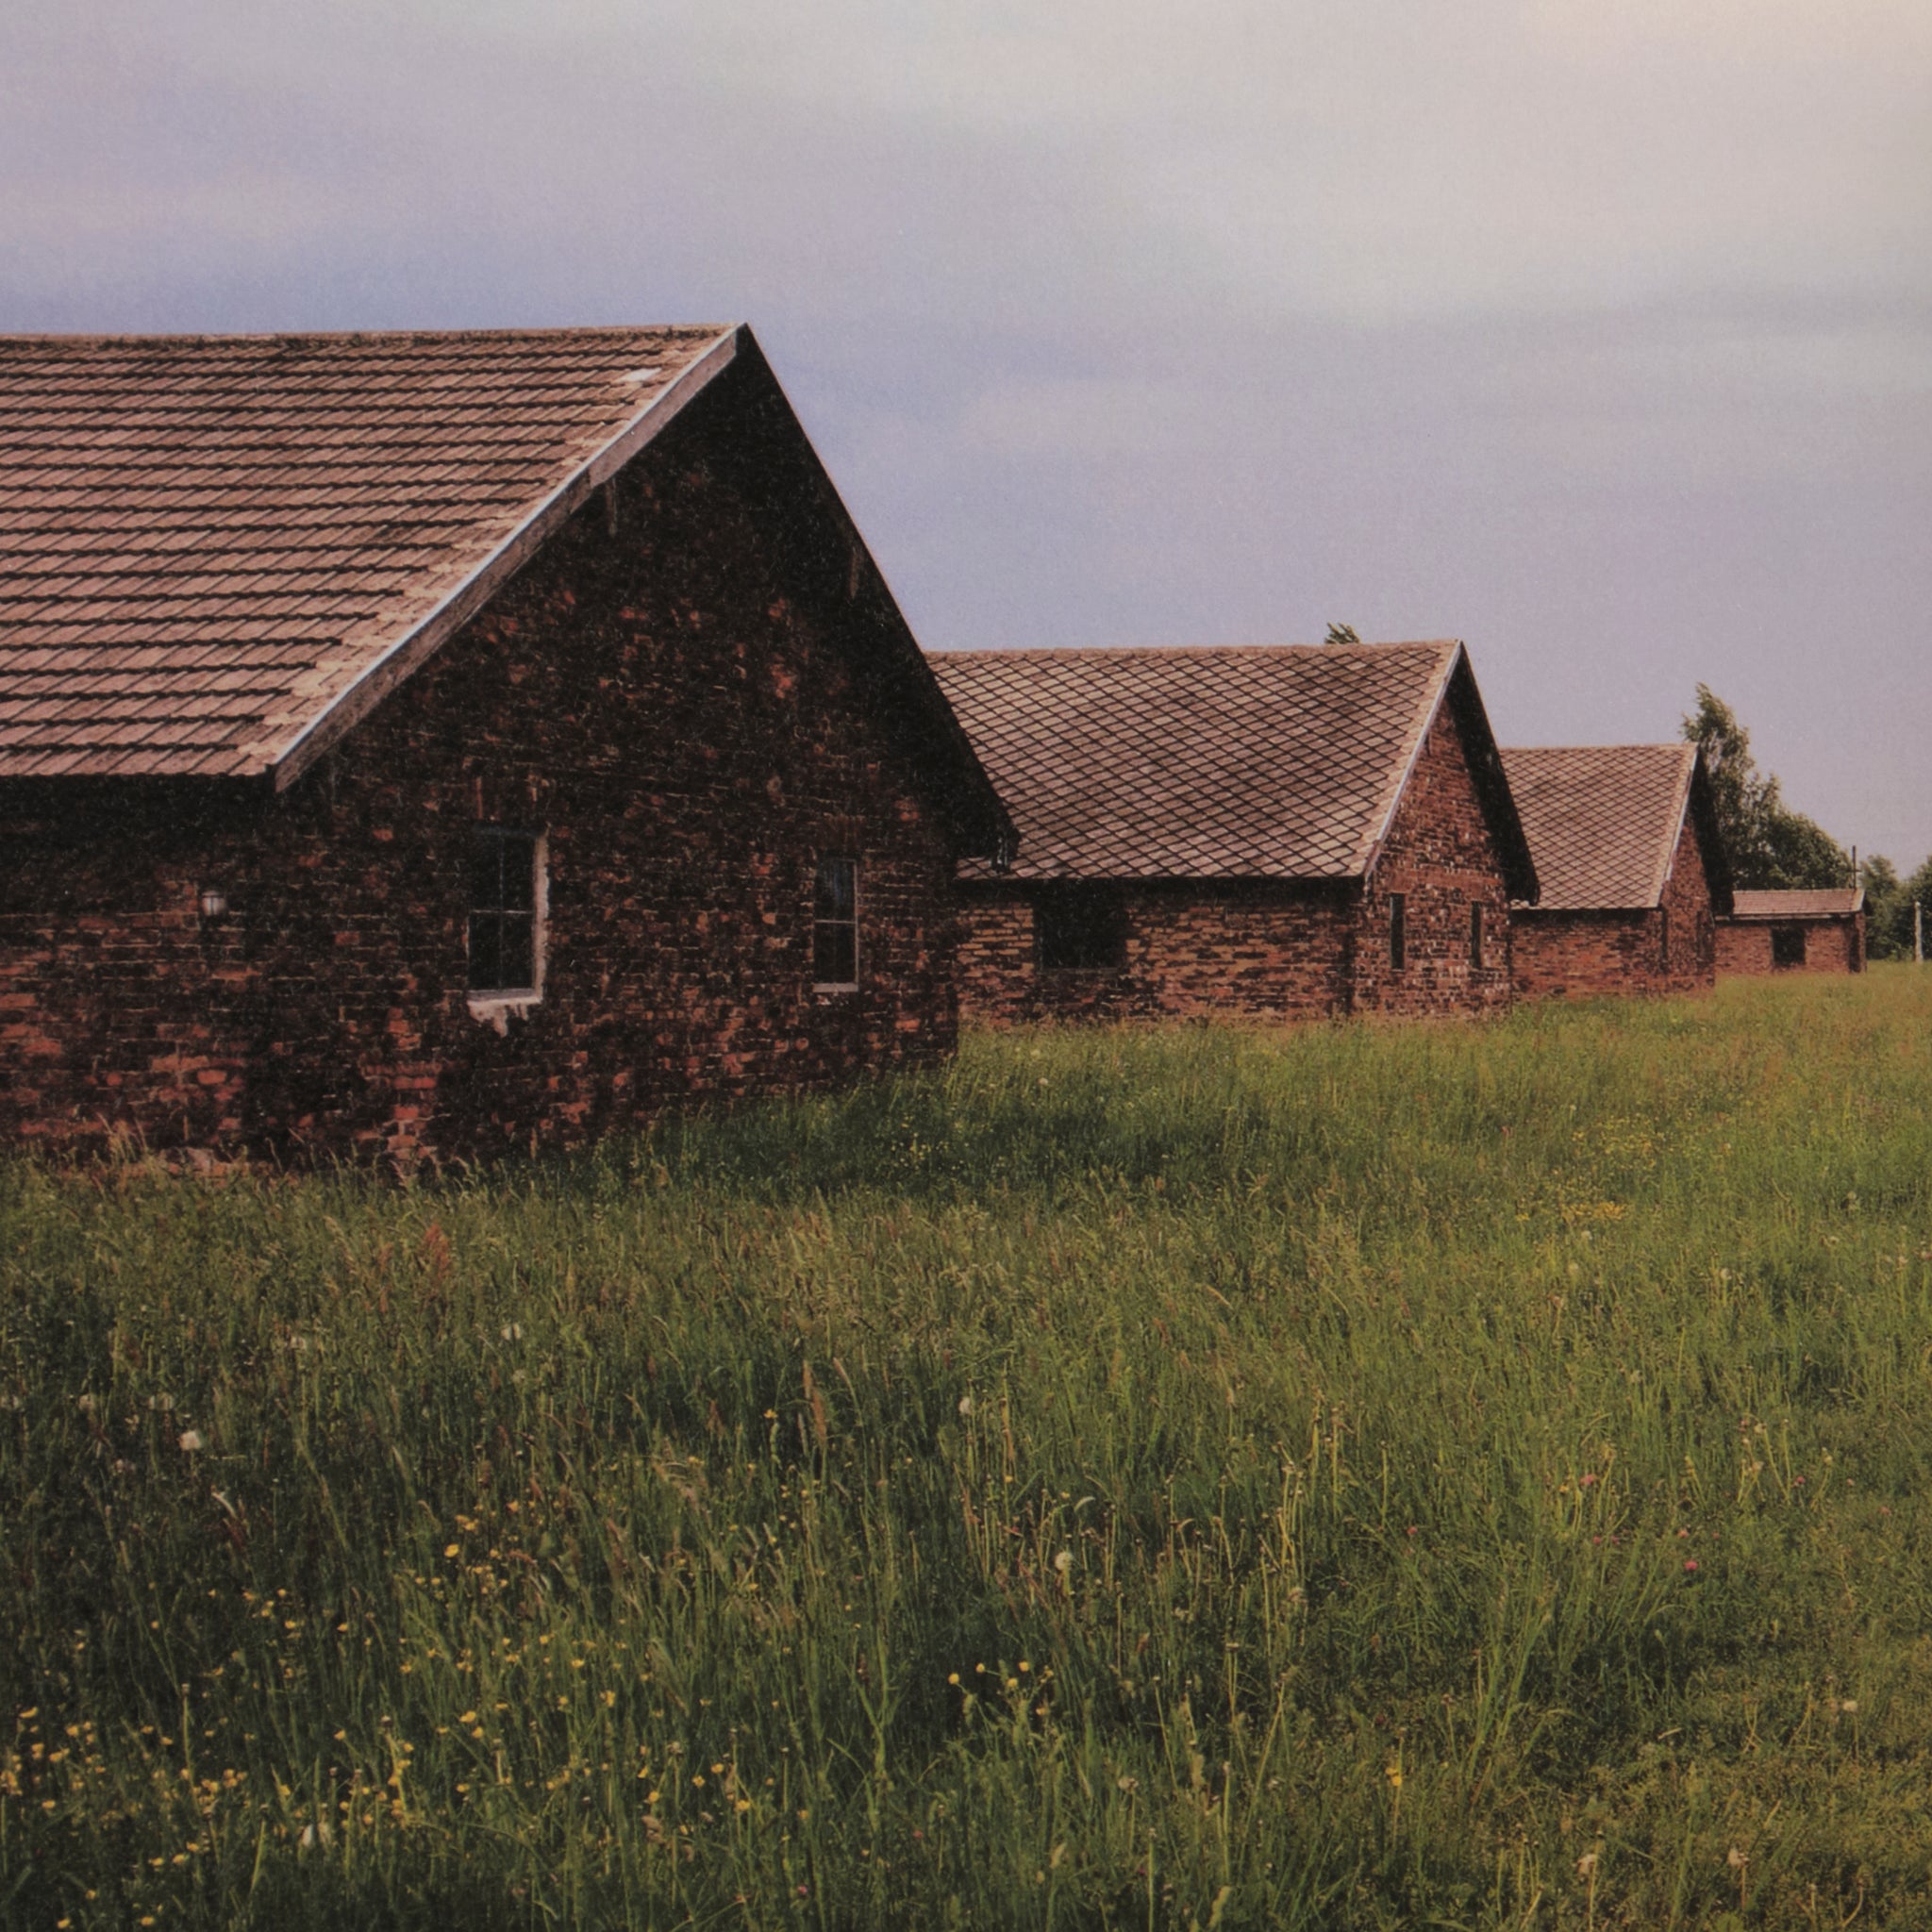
214,902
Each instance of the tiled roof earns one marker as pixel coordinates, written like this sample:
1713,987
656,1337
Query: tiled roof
207,544
1833,902
1280,761
1603,820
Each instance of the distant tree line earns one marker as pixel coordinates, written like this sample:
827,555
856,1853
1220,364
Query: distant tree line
1772,847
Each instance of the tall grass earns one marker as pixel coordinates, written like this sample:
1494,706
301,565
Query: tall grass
1357,1476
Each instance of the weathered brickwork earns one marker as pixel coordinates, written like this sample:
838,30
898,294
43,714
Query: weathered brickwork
1441,856
1276,950
1831,945
666,696
1192,950
1668,948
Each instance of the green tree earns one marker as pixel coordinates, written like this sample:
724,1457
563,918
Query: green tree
1883,886
1899,913
1770,846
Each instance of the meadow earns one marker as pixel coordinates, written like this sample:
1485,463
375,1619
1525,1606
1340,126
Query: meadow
1358,1476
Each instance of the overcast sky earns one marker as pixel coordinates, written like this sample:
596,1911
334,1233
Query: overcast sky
1597,333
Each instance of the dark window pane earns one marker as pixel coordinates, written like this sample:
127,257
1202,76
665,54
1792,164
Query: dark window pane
484,950
486,871
834,922
517,950
1788,945
835,953
519,871
1080,927
503,911
837,896
1398,931
1475,936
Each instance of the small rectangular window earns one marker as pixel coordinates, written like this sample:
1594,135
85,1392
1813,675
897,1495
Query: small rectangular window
1399,931
1080,927
1476,936
1788,945
835,925
1663,939
503,911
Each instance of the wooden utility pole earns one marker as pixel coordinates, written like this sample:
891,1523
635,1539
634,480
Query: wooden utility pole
1918,932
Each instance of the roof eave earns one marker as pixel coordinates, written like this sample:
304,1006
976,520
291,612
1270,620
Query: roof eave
327,727
1438,691
1492,782
1673,832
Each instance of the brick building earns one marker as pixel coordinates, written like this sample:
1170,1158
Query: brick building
1632,867
1794,932
434,742
1277,832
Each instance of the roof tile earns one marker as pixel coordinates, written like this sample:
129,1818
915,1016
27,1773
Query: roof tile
1602,820
1281,761
1830,902
273,511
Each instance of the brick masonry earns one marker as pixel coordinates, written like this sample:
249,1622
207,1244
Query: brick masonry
1831,945
675,692
1667,948
1278,950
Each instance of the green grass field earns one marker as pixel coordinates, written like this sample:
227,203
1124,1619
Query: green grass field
1360,1476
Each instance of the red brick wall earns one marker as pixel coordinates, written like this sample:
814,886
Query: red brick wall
1279,951
1624,952
1440,855
1831,945
1587,952
678,719
1692,962
1193,949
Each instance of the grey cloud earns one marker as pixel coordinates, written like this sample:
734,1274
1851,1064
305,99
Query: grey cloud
1597,336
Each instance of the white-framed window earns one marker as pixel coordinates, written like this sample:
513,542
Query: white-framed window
835,925
508,904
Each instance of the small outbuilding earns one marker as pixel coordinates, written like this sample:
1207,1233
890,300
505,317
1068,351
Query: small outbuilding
1822,931
443,742
1276,832
1632,868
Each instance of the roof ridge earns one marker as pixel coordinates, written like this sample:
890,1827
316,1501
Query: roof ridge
177,339
1014,652
1633,744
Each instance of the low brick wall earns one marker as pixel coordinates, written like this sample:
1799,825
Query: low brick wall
1191,951
664,697
1831,945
